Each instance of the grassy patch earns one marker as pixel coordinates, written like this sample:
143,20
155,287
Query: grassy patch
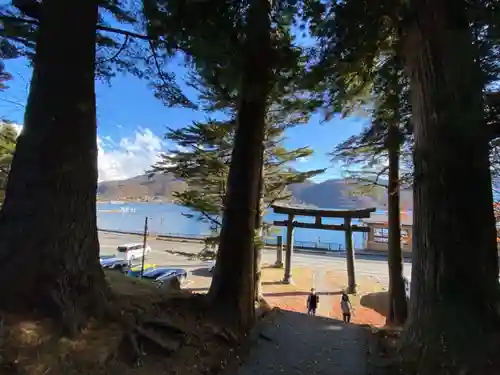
173,331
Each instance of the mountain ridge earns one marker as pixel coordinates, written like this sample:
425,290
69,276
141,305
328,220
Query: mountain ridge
332,193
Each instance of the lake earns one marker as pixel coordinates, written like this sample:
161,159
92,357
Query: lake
168,218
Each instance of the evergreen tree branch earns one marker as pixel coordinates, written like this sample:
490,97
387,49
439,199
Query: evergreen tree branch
117,53
130,34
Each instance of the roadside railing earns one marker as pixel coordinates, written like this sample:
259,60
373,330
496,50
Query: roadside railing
188,236
297,244
308,245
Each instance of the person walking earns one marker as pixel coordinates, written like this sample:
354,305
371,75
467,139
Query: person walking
312,302
346,307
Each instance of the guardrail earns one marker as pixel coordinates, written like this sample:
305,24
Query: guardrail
184,235
120,231
310,245
297,244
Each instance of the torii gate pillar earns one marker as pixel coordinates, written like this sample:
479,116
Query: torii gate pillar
288,252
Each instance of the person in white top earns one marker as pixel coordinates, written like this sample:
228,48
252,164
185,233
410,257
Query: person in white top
346,307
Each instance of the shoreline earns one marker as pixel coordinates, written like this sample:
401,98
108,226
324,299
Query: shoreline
129,216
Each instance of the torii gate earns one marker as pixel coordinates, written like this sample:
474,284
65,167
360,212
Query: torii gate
319,214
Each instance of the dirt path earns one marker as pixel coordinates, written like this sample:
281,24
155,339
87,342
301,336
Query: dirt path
294,343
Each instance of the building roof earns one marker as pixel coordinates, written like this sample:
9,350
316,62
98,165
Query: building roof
381,218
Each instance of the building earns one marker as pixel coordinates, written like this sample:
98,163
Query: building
377,238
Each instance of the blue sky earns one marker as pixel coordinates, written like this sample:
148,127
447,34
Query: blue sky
132,122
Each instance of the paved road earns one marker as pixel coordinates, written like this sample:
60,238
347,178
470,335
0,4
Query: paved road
375,267
158,254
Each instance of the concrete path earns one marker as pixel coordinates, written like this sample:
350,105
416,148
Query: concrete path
295,344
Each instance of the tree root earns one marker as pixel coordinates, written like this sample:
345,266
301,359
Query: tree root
149,339
163,325
141,340
265,337
130,351
74,314
226,334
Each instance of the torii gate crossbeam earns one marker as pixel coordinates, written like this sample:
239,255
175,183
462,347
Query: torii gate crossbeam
319,214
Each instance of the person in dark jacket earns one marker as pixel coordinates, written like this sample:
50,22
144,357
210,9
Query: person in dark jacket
312,302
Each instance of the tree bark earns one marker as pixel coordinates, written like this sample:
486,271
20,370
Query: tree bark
233,284
48,235
258,245
455,262
258,262
398,309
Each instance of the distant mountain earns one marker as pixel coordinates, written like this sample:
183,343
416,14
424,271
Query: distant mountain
342,194
335,193
142,187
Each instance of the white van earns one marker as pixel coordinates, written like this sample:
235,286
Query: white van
130,252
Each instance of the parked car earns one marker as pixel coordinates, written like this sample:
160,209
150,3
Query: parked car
130,252
159,275
113,262
135,271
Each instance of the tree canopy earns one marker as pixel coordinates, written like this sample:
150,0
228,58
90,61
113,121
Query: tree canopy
8,136
203,156
390,60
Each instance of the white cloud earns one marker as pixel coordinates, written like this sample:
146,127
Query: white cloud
128,157
18,128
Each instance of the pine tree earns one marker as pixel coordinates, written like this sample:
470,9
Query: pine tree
54,174
54,170
451,215
377,150
240,45
203,157
119,47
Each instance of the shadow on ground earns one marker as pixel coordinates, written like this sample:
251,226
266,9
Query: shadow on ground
203,271
299,294
376,301
295,343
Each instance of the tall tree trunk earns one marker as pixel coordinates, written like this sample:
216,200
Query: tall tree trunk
258,260
258,245
455,261
398,309
233,284
48,235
